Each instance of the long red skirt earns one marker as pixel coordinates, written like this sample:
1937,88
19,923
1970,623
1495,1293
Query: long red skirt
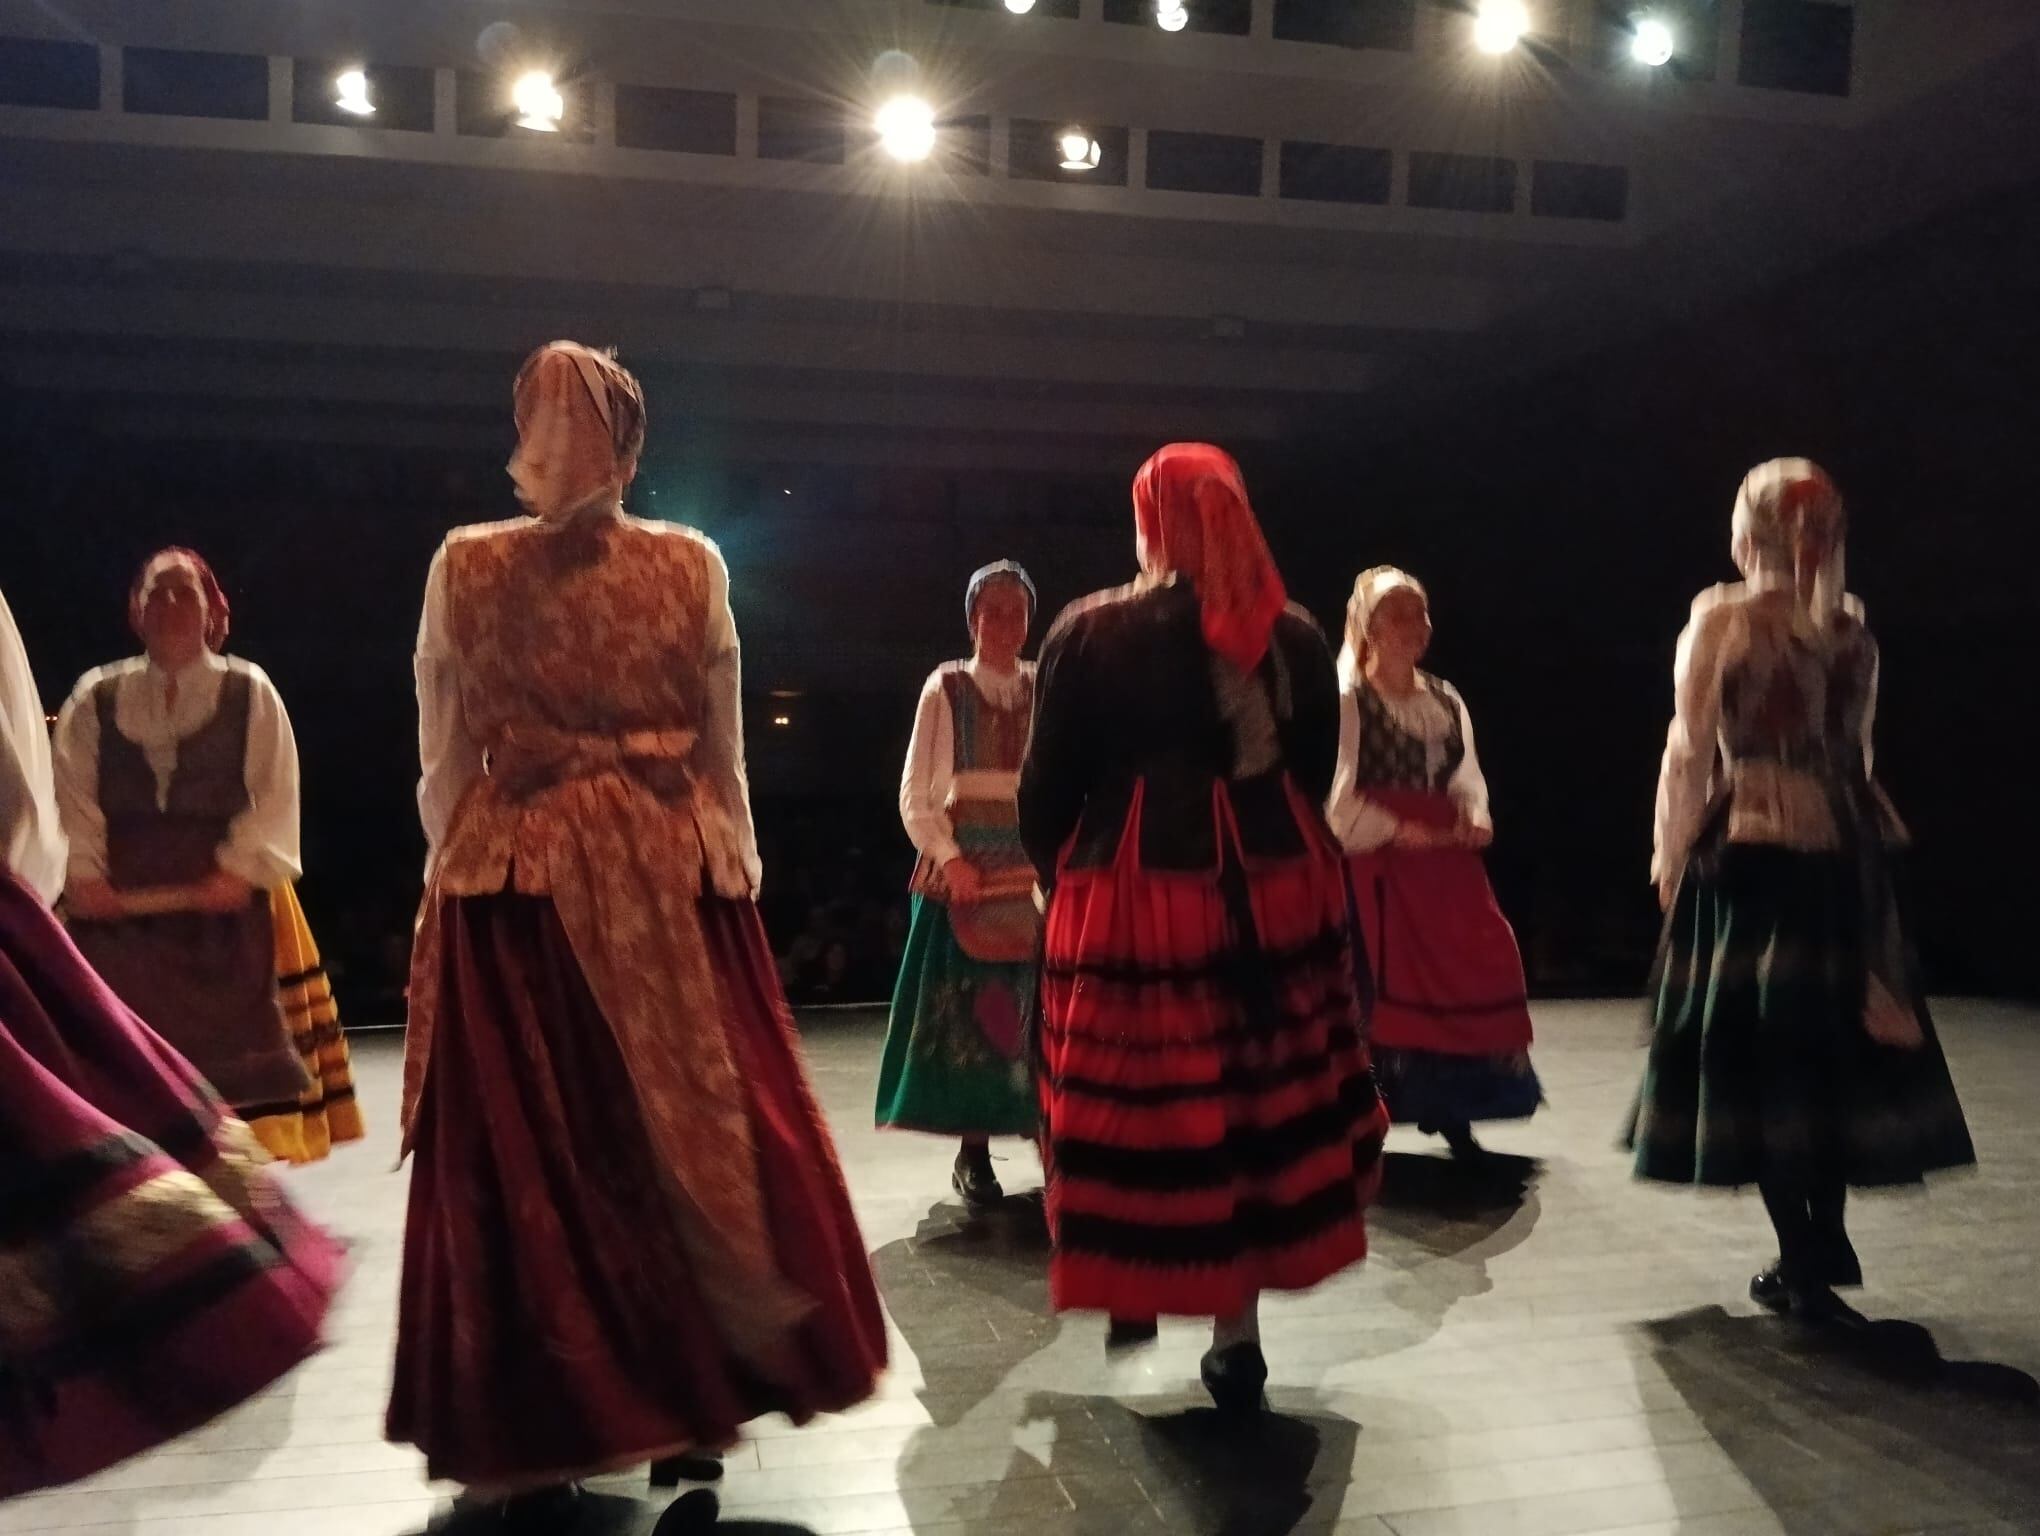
151,1274
1449,1015
1213,1127
550,1323
1447,974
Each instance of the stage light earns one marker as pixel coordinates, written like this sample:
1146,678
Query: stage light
540,106
1654,42
783,721
1019,7
906,128
1080,152
1171,15
350,93
1499,25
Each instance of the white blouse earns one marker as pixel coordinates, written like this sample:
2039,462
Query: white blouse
31,836
262,844
451,758
1362,824
929,780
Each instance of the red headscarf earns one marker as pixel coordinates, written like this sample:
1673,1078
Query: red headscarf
217,612
1190,506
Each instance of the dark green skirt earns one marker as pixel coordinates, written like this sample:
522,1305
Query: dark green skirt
955,1059
1760,1066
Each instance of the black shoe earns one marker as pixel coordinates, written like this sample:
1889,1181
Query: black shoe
1236,1377
691,1512
973,1179
688,1467
1123,1334
1839,1264
1769,1290
1459,1138
1821,1308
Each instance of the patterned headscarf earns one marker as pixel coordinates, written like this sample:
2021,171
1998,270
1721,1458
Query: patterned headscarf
580,427
1007,570
218,614
1193,519
1789,524
1369,588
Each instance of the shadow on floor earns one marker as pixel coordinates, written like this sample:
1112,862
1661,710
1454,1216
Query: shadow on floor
1485,1192
1436,1226
971,1295
1867,1429
1213,1475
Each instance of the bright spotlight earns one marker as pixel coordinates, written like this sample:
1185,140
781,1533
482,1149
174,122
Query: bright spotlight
1654,42
1019,7
540,106
350,92
1499,25
1171,15
1080,152
906,128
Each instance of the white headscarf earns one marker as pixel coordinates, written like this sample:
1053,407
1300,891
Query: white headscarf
580,428
31,840
1369,588
1790,529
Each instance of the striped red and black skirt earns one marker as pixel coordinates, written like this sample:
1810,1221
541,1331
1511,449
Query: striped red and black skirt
1213,1127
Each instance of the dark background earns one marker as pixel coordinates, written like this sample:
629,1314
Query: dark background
1562,523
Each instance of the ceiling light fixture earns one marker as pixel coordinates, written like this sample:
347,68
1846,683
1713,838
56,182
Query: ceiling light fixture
1654,42
350,93
906,128
1499,25
540,106
1080,152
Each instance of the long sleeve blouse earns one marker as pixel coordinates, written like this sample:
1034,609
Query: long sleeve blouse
157,710
452,757
31,835
1361,822
928,778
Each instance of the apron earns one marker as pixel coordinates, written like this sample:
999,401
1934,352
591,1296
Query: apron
205,982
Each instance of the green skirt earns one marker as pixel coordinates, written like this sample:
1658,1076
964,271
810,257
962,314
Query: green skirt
954,1061
1760,1066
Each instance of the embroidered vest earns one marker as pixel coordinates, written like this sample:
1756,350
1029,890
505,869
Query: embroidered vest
1393,758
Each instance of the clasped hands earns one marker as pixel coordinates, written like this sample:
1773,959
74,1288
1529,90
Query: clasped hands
102,902
1417,837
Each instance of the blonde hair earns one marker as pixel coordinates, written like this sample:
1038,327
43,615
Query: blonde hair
1369,588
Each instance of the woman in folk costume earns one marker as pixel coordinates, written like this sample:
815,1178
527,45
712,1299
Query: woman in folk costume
1792,1047
628,1232
177,773
1449,1024
1211,1124
151,1275
954,1063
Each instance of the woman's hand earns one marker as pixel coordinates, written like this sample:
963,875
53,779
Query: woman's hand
1415,837
1667,892
962,879
93,901
1471,834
